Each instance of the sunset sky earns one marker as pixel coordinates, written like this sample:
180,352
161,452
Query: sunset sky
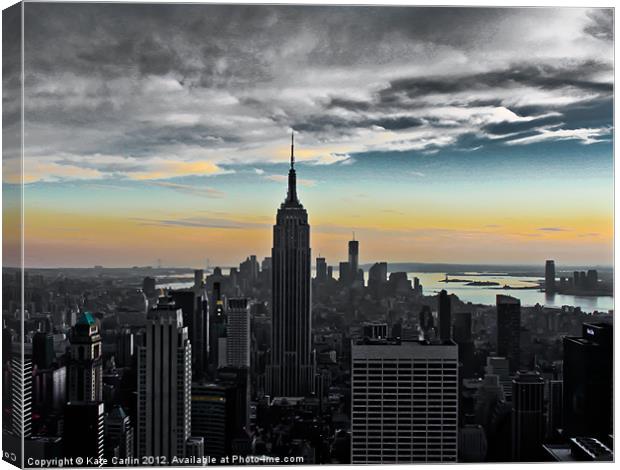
437,135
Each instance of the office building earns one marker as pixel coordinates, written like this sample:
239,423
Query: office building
238,333
445,316
83,430
149,286
463,337
426,323
164,384
85,366
377,274
555,409
500,366
588,382
528,417
321,270
119,438
43,355
509,330
194,305
291,371
213,410
217,327
404,402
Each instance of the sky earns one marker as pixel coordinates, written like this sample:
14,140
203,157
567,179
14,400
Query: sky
456,135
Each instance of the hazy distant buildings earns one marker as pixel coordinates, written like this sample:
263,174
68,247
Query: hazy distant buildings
321,270
377,275
404,402
588,382
509,330
291,370
164,384
149,285
399,283
528,417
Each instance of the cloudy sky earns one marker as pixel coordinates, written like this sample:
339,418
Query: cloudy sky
437,135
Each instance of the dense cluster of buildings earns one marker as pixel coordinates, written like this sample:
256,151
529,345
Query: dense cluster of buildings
266,360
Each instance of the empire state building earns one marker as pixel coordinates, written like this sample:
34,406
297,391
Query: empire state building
291,370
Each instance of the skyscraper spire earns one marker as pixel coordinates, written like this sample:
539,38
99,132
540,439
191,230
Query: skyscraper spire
292,150
291,197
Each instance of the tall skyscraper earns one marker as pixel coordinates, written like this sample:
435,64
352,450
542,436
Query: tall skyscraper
85,368
321,270
463,337
354,251
193,303
445,316
291,371
528,416
404,402
238,333
217,326
164,384
550,276
509,330
588,382
43,350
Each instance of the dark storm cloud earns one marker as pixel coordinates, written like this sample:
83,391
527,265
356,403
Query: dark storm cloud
602,26
222,84
539,76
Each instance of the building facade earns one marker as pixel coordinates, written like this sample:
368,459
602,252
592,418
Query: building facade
238,333
404,402
164,384
509,330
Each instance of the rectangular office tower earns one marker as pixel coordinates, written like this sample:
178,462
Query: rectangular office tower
164,384
588,382
404,402
238,333
509,330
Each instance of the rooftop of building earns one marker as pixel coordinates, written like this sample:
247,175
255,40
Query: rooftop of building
366,341
87,318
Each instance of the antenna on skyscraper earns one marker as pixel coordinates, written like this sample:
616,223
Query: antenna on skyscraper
292,149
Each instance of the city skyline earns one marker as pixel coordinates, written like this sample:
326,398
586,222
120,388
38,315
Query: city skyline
485,139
